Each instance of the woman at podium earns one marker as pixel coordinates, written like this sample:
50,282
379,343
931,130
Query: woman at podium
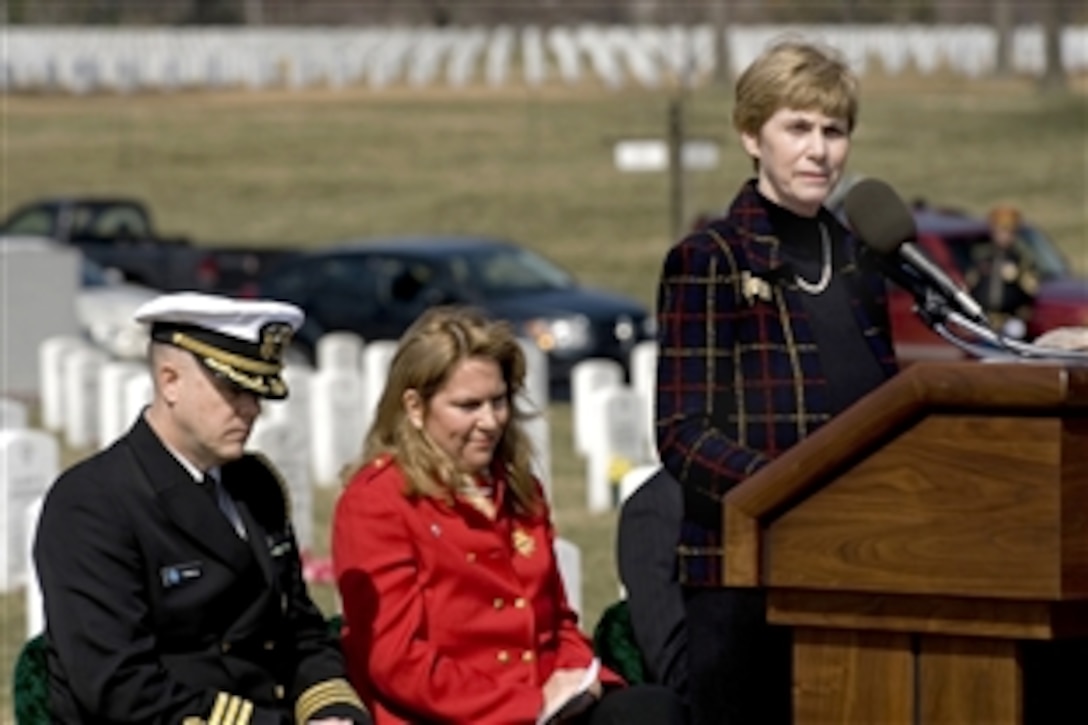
770,324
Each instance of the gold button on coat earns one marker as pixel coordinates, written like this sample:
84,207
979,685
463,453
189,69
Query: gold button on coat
499,603
527,656
519,603
503,656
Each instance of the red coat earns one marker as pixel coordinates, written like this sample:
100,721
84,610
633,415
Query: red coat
449,616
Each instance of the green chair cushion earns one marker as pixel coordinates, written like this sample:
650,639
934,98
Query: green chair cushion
31,684
614,642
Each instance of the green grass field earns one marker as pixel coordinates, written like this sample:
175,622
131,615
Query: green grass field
531,165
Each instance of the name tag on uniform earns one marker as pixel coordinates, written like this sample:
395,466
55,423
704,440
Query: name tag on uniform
174,574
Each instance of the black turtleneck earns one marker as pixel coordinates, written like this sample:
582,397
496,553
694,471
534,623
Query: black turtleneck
849,365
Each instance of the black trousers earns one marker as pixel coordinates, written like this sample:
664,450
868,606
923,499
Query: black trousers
739,667
636,705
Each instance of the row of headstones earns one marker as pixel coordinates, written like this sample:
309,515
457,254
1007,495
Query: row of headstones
92,400
30,462
78,60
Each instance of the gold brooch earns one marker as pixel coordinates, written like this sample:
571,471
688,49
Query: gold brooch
753,287
523,542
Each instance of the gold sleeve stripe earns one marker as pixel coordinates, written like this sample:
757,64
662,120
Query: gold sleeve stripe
218,708
329,692
230,710
245,712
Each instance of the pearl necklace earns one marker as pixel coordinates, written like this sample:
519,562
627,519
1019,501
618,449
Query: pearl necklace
825,274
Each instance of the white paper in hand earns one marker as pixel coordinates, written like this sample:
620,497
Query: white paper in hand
578,700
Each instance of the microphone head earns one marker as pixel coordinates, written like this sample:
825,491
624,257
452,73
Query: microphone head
878,216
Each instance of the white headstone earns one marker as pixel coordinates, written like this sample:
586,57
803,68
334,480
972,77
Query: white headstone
539,432
278,441
337,420
339,351
12,414
619,445
29,463
35,606
51,355
537,392
586,378
634,478
569,558
79,372
644,382
39,288
377,356
138,392
113,418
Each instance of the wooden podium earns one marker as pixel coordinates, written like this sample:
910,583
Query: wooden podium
929,549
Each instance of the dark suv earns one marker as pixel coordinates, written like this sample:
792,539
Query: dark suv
377,288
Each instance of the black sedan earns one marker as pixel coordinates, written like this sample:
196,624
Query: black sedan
376,288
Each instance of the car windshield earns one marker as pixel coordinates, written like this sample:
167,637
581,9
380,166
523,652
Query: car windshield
504,271
1048,260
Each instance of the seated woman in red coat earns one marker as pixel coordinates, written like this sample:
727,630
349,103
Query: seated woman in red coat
454,610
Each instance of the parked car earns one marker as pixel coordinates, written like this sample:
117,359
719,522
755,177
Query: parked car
376,289
952,238
118,233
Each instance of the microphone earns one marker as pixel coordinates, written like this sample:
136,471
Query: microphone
884,223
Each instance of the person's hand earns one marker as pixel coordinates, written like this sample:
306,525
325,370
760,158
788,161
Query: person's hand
563,685
331,721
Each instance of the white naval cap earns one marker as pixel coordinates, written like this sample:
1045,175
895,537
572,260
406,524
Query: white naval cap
240,340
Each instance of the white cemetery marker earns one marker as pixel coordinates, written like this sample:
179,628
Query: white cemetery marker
50,355
377,356
29,462
278,441
339,351
644,382
79,371
136,395
569,558
635,478
587,377
12,414
537,392
536,428
621,445
113,421
337,419
35,607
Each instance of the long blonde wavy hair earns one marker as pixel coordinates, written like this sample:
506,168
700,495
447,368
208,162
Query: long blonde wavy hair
426,356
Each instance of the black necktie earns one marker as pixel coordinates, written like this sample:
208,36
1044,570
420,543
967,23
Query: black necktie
210,486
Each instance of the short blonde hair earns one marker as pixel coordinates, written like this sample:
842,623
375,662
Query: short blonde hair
795,74
426,356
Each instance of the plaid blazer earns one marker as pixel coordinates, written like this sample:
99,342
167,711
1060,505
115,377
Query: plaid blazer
739,378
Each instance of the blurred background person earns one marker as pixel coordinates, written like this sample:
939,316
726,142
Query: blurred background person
1002,278
770,323
169,569
454,609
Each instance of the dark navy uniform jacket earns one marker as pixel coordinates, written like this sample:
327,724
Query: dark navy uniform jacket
158,612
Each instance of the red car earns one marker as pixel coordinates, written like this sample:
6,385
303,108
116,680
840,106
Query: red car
952,239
